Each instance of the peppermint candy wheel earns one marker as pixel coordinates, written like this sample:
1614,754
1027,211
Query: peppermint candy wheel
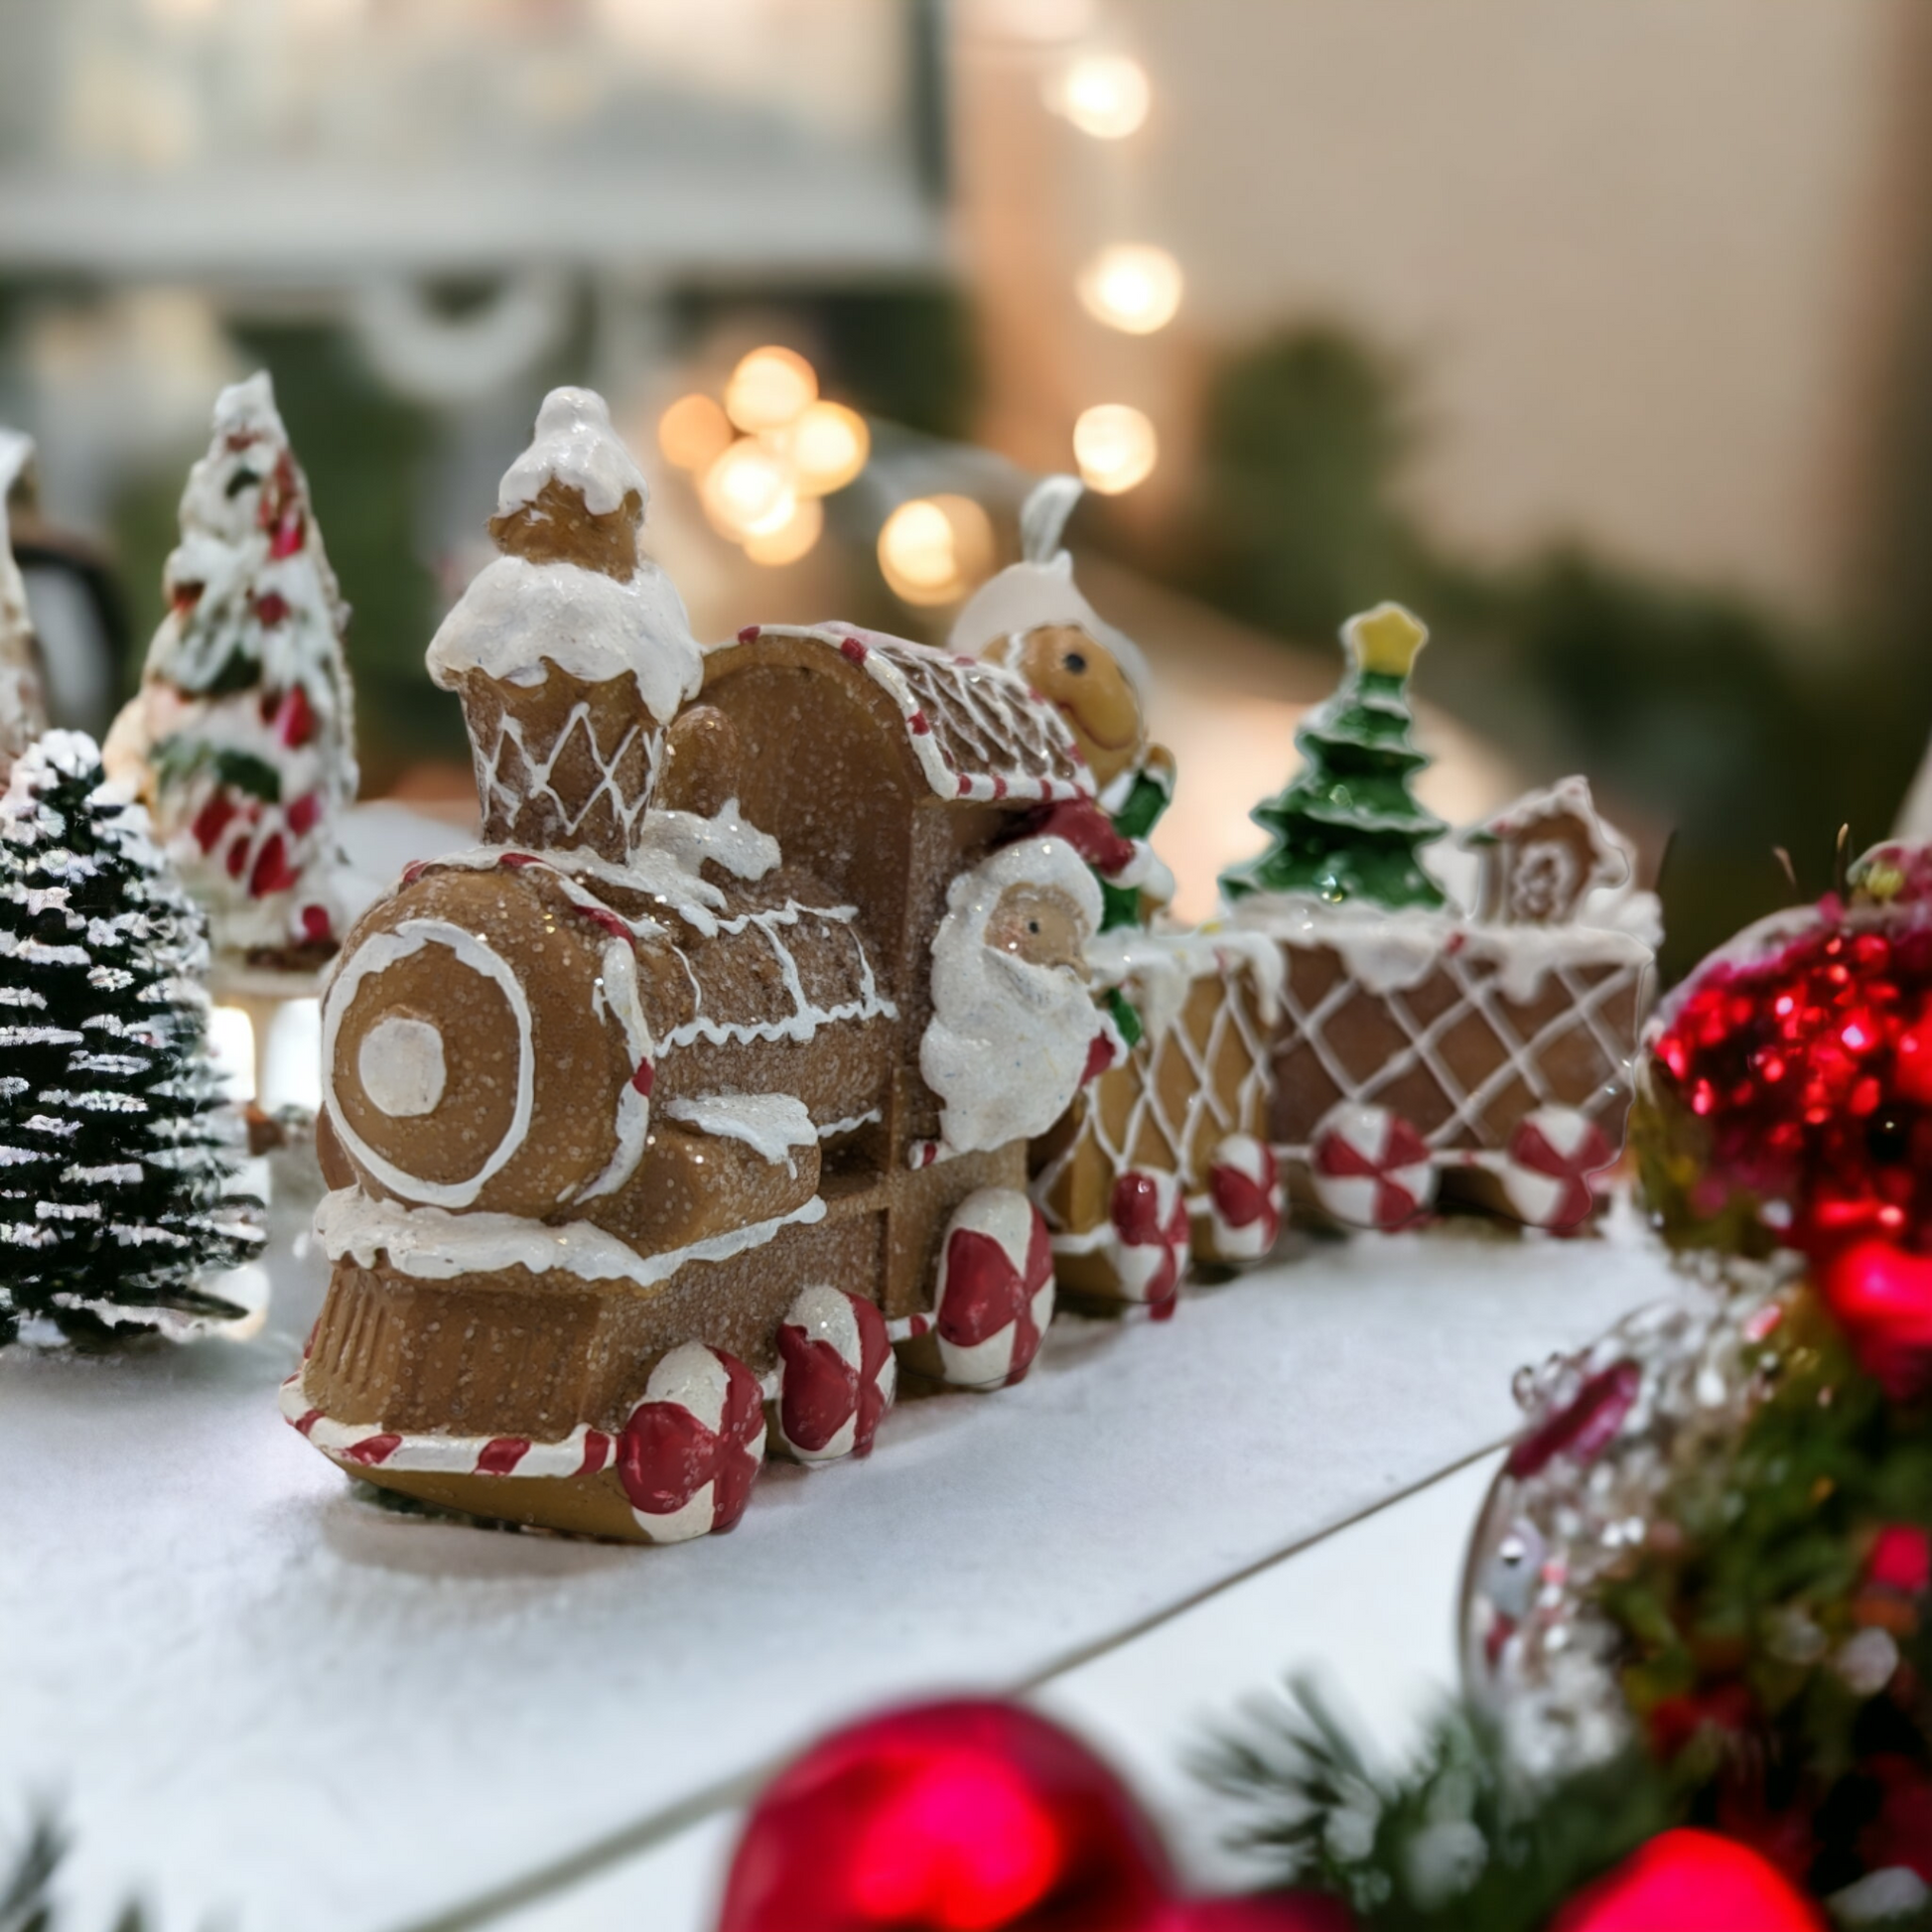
837,1375
1369,1167
691,1450
995,1293
1151,1238
1244,1198
1552,1155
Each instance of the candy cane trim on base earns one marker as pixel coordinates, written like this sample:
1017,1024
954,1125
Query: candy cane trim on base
584,1452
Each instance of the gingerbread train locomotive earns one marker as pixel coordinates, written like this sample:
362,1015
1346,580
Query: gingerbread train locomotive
806,1016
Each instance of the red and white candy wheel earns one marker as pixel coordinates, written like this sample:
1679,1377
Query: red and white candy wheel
1244,1198
837,1375
1552,1155
995,1294
1370,1167
691,1450
1151,1238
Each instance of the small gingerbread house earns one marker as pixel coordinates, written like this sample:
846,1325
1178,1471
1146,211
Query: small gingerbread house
1543,856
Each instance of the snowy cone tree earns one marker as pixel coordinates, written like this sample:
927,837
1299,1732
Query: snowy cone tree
23,705
1348,827
241,737
116,1152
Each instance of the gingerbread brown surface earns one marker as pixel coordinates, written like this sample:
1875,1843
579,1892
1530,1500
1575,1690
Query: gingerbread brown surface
657,1122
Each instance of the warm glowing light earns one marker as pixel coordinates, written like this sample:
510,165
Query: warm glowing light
1104,94
792,538
828,446
770,388
746,492
1132,286
1041,22
1115,446
934,549
693,433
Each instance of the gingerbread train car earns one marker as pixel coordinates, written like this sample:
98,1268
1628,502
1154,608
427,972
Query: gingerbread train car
710,1076
806,1015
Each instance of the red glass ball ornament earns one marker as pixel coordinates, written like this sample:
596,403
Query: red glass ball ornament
1792,1071
1882,1297
1691,1881
952,1817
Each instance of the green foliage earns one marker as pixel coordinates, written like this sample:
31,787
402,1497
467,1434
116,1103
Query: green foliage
177,759
1762,1582
116,1152
1451,1842
27,1885
1733,730
903,353
1302,446
1348,826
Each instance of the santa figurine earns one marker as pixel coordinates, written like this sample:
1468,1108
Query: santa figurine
1032,619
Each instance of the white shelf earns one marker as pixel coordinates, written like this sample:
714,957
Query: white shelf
269,1701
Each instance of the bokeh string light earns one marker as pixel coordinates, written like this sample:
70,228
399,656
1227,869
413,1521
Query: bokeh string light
1105,95
1115,446
934,549
763,458
1132,286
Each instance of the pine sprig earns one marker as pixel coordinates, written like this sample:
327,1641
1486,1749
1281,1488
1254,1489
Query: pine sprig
26,1885
1451,1840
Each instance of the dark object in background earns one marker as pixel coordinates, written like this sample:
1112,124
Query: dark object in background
82,622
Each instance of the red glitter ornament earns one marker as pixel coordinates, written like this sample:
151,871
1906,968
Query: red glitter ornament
969,1816
1690,1881
1792,1072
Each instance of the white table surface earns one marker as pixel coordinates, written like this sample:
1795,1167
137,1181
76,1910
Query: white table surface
262,1697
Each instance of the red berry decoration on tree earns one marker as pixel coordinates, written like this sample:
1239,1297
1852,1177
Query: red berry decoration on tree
240,740
1691,1881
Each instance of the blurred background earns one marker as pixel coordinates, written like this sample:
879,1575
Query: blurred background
1602,335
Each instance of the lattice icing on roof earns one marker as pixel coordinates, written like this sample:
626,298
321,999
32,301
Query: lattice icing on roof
975,727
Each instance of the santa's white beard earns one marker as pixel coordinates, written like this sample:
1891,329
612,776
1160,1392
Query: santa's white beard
1007,1046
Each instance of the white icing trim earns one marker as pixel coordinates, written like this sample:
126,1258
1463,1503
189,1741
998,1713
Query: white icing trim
518,618
615,990
771,1125
575,444
402,1067
976,687
428,1244
832,1128
1392,952
664,863
1163,965
377,953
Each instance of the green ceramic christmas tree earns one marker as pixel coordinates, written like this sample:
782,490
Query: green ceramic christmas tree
1348,827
